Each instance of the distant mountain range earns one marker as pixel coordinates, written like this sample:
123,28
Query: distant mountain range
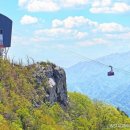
91,78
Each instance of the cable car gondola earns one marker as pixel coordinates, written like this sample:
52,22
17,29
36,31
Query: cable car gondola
111,72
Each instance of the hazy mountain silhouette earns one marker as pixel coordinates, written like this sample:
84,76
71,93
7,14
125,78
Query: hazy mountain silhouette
91,78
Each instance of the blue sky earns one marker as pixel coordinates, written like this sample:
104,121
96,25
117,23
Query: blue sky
47,29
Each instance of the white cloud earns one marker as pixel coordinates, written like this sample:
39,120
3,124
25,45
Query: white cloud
97,3
72,22
20,39
110,27
72,3
26,19
121,36
82,23
22,2
38,39
81,35
91,42
42,5
50,5
57,23
120,7
78,28
107,6
61,33
96,6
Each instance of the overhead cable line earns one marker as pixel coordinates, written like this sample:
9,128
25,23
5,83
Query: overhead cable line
96,61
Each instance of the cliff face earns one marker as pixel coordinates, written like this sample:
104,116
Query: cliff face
52,80
39,83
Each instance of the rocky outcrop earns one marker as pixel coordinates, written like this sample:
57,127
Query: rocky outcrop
52,79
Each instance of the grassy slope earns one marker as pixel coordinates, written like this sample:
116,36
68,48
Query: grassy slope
18,93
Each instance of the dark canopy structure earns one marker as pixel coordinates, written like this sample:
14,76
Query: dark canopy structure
6,30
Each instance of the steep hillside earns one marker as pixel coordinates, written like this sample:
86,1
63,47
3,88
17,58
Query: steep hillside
35,97
91,79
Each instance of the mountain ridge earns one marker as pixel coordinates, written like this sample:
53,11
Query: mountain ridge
91,78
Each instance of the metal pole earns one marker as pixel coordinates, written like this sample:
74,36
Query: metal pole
4,52
1,52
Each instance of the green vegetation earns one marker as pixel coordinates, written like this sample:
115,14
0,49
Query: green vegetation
19,92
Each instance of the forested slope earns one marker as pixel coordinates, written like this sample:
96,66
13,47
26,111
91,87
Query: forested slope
35,97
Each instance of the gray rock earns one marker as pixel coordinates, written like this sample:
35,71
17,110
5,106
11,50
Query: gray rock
55,89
